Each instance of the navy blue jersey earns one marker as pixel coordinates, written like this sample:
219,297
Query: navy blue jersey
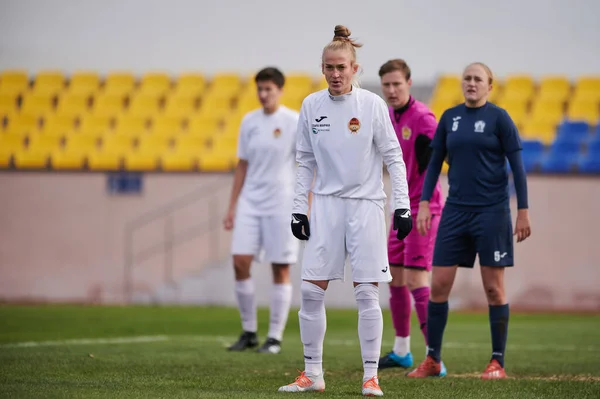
476,142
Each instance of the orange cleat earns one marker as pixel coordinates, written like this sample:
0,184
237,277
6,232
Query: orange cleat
371,387
428,368
304,383
493,371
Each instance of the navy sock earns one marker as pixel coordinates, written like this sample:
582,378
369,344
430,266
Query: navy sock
499,328
437,316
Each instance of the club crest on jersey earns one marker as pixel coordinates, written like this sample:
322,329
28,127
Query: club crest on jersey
277,132
354,125
406,133
479,126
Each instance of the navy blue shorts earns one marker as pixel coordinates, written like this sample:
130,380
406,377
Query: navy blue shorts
463,234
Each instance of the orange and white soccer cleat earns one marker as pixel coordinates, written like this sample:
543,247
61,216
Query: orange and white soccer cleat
428,368
305,383
371,387
494,371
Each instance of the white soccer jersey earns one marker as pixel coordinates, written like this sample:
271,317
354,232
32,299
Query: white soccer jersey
267,142
346,139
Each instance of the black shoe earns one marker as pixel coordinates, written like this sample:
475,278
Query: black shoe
271,345
246,340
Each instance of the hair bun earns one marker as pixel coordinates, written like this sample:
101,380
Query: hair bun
341,31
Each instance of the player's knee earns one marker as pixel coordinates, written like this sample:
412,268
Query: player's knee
241,266
416,278
398,279
313,300
440,290
281,273
495,295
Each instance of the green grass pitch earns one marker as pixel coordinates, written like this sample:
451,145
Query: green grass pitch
179,352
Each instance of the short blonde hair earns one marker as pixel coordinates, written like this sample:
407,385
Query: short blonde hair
486,68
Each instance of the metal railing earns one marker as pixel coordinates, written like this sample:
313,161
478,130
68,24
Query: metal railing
209,192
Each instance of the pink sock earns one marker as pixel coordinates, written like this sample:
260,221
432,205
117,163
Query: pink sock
421,297
400,308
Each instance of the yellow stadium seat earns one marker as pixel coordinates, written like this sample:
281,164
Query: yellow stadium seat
554,87
83,143
226,79
166,125
584,111
216,162
58,123
84,83
12,141
14,81
445,168
518,87
119,83
67,159
104,160
221,143
247,104
38,103
190,84
543,130
8,102
155,144
191,143
48,81
46,142
5,157
144,105
108,104
130,124
204,124
73,103
496,93
298,81
35,158
23,123
547,109
320,85
95,124
588,86
178,161
449,80
140,161
118,143
180,105
155,83
516,107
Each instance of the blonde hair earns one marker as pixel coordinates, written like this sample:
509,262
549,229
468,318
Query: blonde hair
486,68
342,41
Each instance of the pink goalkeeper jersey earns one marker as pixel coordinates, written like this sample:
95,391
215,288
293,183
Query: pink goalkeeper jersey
415,120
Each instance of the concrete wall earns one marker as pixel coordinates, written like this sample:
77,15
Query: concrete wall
536,36
62,238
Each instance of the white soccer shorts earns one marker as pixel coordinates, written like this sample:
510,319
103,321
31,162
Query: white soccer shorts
346,227
273,234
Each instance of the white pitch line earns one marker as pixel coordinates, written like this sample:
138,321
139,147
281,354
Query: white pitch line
224,340
88,341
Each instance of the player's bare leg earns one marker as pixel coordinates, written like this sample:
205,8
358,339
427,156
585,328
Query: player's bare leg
493,284
441,285
370,333
313,324
244,292
281,298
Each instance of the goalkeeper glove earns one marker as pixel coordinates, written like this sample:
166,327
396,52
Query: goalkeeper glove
300,226
402,222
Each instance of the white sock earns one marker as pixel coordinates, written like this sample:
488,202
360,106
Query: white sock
370,327
401,346
313,324
244,291
281,299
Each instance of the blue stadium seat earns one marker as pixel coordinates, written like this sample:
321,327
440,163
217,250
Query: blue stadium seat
532,154
574,128
594,146
590,163
561,158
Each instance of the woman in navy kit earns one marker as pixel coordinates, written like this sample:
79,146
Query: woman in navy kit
476,137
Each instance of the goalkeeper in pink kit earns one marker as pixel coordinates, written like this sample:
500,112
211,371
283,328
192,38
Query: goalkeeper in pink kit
410,259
